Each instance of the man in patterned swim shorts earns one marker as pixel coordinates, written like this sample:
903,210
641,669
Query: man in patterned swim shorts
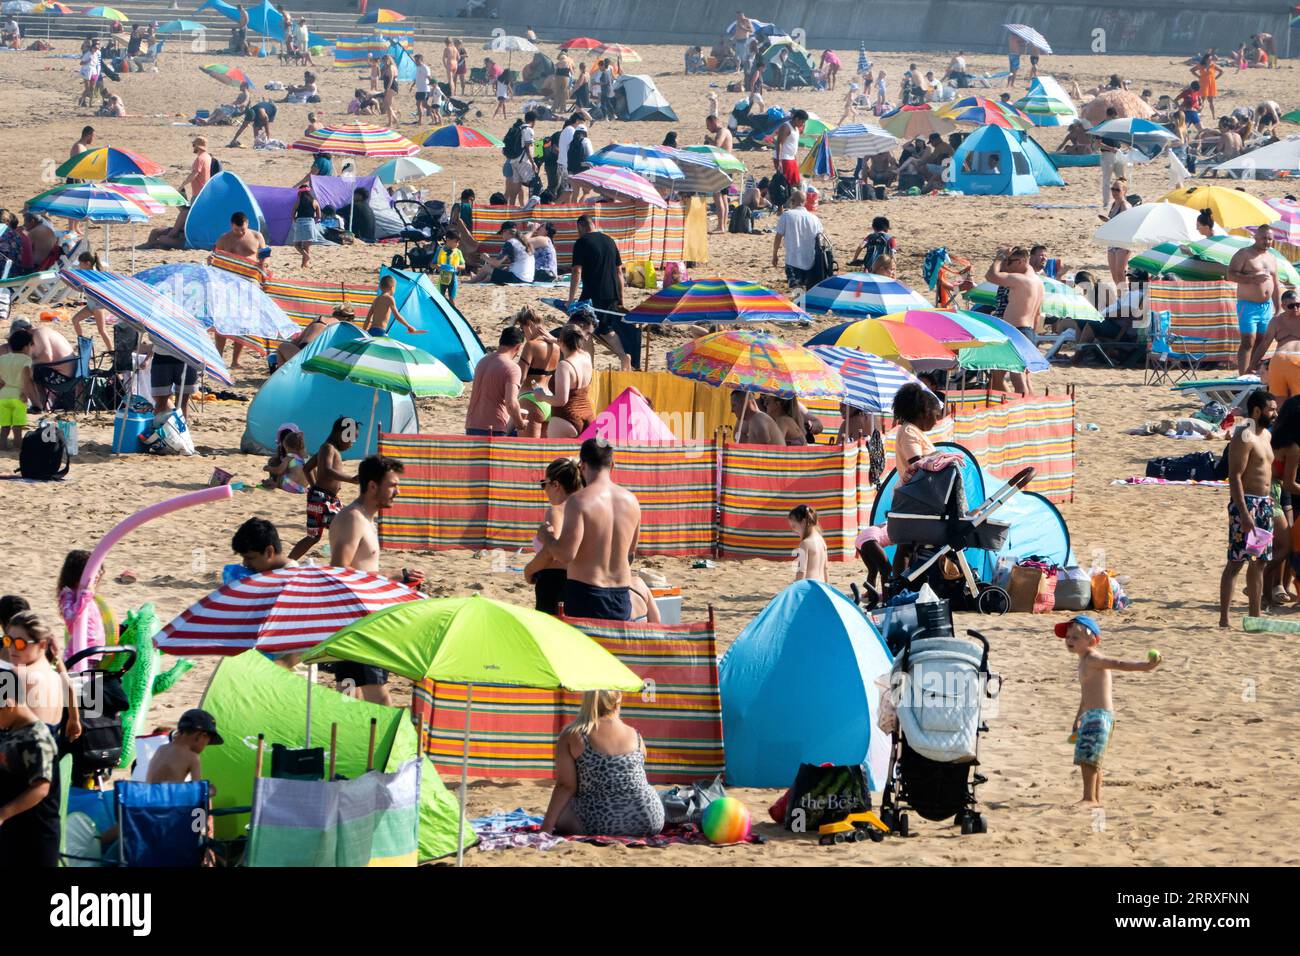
1250,478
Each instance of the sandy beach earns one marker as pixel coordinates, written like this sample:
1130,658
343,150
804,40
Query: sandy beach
1204,755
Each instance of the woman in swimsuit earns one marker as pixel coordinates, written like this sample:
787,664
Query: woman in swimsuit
1284,487
1116,257
462,66
644,609
388,81
563,478
537,361
571,410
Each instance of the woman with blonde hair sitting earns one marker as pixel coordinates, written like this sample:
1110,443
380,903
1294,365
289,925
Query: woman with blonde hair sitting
600,783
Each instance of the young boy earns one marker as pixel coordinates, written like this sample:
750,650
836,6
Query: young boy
325,472
257,542
383,311
450,263
178,760
29,800
1191,100
16,387
878,243
1095,719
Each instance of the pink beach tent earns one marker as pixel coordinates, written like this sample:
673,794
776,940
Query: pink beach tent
629,419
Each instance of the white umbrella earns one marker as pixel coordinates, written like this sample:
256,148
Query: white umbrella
405,168
855,140
1030,36
1148,225
510,44
1283,155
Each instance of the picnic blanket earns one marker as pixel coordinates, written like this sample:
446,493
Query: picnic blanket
513,729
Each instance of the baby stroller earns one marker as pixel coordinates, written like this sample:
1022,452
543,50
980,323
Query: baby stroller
423,226
938,684
95,754
929,513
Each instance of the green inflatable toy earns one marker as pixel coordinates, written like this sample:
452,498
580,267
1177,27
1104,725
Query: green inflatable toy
146,678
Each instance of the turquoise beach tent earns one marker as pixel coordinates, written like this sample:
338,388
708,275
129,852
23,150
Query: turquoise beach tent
405,64
263,18
798,686
1037,527
221,197
312,401
1044,169
444,332
992,162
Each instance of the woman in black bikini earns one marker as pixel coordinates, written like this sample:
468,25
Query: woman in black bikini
562,479
537,362
388,81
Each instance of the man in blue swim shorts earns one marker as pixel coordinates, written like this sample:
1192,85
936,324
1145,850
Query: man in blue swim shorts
1259,293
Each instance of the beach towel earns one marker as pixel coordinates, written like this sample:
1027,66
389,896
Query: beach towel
532,836
1144,480
513,729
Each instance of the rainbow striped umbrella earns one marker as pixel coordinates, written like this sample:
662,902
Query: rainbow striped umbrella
146,309
714,301
753,361
936,323
818,161
909,122
621,182
356,139
861,294
106,13
229,75
461,136
1059,300
381,15
982,111
1031,359
650,161
107,162
721,158
280,611
87,202
891,340
54,9
870,382
995,350
138,195
156,188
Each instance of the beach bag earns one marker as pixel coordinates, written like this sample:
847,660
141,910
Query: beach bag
513,147
169,437
215,166
1073,590
576,160
1198,466
778,190
641,275
1103,591
824,794
686,804
824,264
1221,467
44,453
675,272
741,220
1024,588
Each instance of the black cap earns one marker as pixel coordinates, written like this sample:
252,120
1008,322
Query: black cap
508,224
197,719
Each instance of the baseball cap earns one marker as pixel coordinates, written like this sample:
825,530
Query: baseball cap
197,719
17,324
1084,621
508,224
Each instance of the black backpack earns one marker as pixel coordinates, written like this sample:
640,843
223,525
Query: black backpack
877,245
1198,466
44,454
577,158
514,141
824,265
778,190
741,219
215,166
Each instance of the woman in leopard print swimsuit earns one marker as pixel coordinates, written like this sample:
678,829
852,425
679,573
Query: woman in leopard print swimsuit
600,783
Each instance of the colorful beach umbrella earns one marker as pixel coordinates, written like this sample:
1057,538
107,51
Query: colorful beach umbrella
582,43
988,349
1169,258
473,641
855,140
1047,103
1029,35
464,137
863,63
750,360
356,139
1231,208
1221,249
1059,300
54,9
650,161
910,122
138,195
715,302
1287,228
701,175
870,382
381,15
106,13
818,161
861,294
280,611
404,169
942,326
388,365
721,158
155,187
1133,131
221,300
182,26
148,310
982,111
890,340
229,75
616,181
88,202
107,162
1032,358
619,51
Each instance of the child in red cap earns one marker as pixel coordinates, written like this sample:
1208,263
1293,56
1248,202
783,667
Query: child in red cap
1095,719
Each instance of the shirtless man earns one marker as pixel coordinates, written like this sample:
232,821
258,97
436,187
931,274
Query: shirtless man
238,241
1259,293
597,540
354,543
84,143
44,242
1284,366
1250,478
1020,298
753,425
719,136
740,40
53,359
309,333
325,472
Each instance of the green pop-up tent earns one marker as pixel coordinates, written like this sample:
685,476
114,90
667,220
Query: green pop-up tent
248,695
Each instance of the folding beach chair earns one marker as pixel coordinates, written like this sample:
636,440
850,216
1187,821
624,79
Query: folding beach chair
92,387
1169,349
150,58
477,83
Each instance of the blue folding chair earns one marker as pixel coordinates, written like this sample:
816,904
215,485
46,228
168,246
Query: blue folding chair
162,824
1168,349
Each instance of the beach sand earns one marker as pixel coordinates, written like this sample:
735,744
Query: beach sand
1204,754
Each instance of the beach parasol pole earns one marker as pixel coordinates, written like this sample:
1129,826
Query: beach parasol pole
374,408
311,682
464,775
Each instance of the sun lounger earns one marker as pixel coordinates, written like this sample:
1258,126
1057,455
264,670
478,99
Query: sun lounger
1230,392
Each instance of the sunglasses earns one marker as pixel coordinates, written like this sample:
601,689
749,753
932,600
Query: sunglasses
19,643
543,483
1291,305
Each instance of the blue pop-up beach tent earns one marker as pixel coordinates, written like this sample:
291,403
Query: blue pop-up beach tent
1037,527
264,19
798,686
993,161
444,333
313,401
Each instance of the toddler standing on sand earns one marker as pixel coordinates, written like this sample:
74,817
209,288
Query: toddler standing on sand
810,555
1095,720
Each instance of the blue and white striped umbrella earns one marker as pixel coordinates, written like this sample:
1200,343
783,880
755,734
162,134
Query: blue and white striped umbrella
88,202
222,300
863,63
141,306
1132,131
862,294
650,162
855,140
870,382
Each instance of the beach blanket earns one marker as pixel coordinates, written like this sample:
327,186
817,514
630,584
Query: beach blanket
531,835
1143,480
513,729
1269,625
1205,310
640,231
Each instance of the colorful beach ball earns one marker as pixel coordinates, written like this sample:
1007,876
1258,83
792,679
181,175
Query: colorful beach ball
726,820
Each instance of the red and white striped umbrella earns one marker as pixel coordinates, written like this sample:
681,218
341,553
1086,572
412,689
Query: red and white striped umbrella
279,611
621,182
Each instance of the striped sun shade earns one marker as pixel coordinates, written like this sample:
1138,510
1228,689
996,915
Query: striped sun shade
357,139
714,301
386,364
621,182
870,382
